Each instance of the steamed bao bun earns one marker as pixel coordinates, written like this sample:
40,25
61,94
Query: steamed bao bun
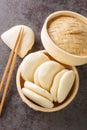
46,72
46,81
30,64
37,94
10,36
55,84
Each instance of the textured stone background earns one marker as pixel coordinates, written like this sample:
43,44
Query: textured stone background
16,115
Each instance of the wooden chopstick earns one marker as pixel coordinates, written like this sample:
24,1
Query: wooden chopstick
11,60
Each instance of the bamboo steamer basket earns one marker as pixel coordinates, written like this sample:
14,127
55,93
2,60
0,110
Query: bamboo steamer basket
57,107
53,49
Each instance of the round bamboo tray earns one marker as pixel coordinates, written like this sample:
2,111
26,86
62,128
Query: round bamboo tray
53,49
57,107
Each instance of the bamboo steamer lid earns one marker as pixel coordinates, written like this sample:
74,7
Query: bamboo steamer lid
64,42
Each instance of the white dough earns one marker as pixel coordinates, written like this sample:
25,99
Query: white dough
65,85
37,89
36,80
55,84
10,36
40,100
30,64
46,73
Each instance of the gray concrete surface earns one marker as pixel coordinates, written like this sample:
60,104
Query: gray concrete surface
16,115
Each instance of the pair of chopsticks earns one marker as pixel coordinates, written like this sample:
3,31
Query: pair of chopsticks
9,68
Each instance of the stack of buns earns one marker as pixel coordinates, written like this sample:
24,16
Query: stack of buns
46,81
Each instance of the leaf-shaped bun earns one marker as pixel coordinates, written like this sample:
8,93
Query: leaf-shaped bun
46,73
55,84
65,85
10,36
40,100
30,63
37,89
